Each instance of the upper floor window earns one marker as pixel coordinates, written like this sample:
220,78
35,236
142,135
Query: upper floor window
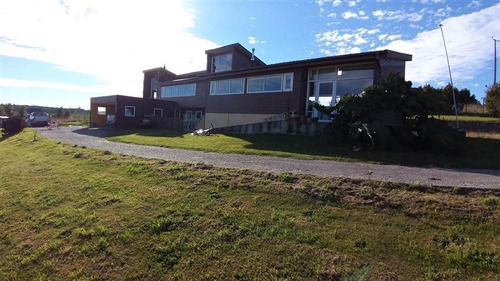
227,87
222,63
178,91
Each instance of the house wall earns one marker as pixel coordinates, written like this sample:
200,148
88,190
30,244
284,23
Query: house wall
97,120
162,77
220,120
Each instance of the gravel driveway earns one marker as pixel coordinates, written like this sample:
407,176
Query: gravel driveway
394,173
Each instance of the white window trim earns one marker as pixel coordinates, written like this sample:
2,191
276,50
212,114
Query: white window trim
160,109
214,87
291,82
129,115
100,112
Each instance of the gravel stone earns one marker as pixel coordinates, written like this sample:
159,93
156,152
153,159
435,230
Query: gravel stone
470,178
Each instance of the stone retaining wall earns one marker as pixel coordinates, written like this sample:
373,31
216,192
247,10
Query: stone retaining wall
276,127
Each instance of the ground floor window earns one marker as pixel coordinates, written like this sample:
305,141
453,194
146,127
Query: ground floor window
177,113
158,112
101,110
129,111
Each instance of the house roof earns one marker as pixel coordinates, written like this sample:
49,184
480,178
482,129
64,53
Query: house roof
315,62
229,48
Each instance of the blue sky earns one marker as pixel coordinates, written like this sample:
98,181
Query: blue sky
62,52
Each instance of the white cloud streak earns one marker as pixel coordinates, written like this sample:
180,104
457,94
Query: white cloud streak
468,39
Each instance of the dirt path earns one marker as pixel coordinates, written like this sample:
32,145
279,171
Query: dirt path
394,173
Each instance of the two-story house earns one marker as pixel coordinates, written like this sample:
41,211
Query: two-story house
238,88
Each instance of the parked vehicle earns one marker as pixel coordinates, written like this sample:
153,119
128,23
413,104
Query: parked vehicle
37,119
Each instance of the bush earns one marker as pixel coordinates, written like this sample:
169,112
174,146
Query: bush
13,125
393,113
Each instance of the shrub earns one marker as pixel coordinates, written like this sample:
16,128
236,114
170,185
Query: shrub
393,113
13,125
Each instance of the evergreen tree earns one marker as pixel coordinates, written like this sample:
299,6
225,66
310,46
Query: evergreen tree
493,100
2,111
9,110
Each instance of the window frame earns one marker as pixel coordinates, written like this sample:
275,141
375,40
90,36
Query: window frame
283,87
214,87
213,67
176,89
133,111
100,112
159,109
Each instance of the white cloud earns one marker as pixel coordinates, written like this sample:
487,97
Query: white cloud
20,83
97,38
360,15
337,2
332,15
353,3
252,40
468,39
251,18
399,15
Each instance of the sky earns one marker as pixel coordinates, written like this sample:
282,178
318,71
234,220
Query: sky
63,52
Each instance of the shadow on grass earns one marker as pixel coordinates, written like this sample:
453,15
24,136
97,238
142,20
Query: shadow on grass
477,153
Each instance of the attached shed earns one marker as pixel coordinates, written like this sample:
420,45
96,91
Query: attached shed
125,112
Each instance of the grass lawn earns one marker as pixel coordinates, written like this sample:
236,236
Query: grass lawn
73,213
479,150
467,118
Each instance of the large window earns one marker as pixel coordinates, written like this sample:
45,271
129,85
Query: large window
222,63
227,87
270,83
158,112
178,91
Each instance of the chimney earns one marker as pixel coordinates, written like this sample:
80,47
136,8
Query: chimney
253,57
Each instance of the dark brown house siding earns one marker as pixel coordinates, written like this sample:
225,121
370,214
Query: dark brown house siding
160,73
259,103
115,105
197,101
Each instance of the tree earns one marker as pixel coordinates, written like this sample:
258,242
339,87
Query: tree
492,102
2,111
9,110
23,111
67,113
60,112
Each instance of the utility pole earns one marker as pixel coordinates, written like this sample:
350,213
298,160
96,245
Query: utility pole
495,59
451,80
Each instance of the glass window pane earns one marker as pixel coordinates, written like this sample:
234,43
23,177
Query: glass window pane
213,87
288,82
362,73
325,89
273,83
326,74
352,86
237,86
223,86
255,85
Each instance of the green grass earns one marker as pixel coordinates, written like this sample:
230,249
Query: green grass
73,213
478,152
470,118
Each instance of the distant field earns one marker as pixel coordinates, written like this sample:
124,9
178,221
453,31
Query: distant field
478,151
465,118
73,213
